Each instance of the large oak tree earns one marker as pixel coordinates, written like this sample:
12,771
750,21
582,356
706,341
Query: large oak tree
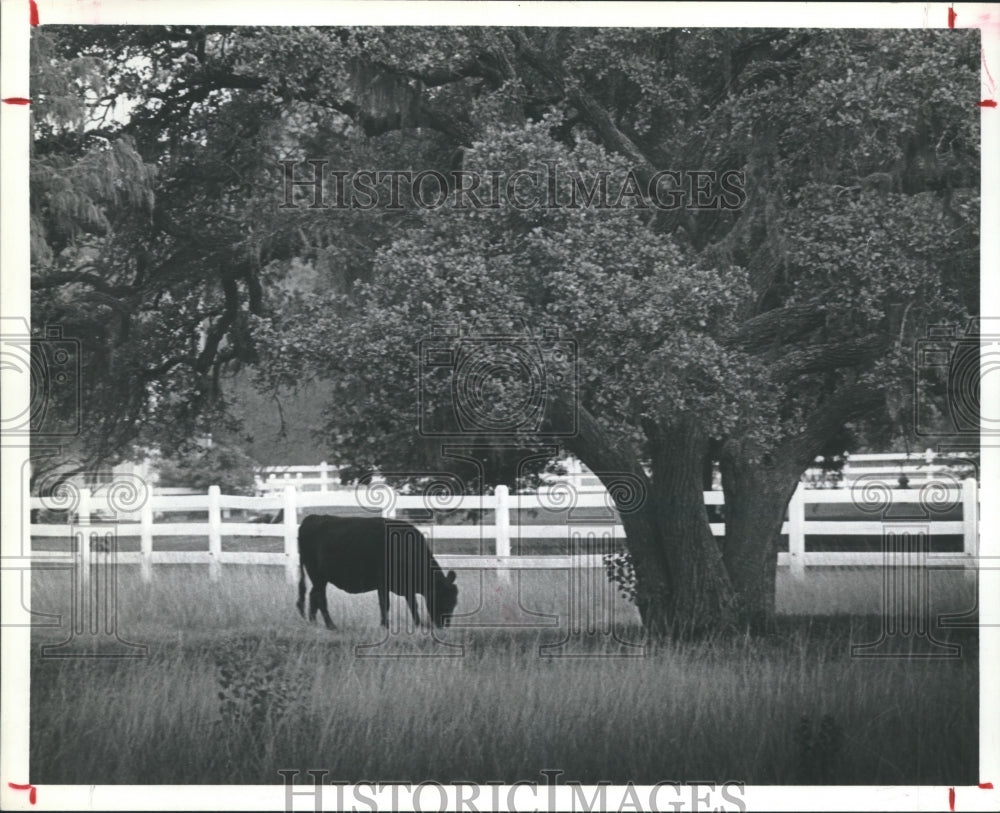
752,334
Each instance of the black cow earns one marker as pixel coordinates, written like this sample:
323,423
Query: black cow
358,554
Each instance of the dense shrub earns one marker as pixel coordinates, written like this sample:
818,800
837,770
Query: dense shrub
227,467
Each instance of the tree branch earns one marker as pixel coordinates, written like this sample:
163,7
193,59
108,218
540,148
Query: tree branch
830,357
54,280
218,328
592,111
774,328
850,404
155,372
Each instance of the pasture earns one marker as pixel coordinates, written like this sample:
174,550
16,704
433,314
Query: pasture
236,686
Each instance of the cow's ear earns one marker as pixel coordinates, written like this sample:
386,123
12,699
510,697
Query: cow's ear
451,576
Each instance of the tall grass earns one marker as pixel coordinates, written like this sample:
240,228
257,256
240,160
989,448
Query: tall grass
236,687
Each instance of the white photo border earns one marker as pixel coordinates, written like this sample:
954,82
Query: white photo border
15,302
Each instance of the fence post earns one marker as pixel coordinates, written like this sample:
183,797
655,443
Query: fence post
146,538
389,512
575,472
970,520
324,476
501,512
214,534
291,515
86,558
83,507
797,533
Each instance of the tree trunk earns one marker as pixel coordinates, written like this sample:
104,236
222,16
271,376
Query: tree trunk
622,474
758,483
681,586
701,599
756,498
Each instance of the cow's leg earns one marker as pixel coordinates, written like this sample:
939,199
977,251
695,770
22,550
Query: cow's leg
301,603
317,601
314,599
383,605
412,601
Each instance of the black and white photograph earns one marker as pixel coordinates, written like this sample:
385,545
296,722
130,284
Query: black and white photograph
500,406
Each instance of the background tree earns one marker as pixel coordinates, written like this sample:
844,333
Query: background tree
82,186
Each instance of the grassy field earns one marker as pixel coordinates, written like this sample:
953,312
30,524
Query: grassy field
235,686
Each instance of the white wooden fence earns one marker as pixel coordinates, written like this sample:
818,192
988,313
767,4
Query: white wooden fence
596,534
917,467
274,479
324,477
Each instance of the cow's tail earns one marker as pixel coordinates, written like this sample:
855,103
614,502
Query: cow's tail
301,603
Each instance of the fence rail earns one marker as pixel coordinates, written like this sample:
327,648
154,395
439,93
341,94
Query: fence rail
596,536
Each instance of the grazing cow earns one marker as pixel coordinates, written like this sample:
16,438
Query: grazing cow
359,554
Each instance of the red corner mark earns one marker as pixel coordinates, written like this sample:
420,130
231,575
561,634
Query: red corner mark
32,12
32,791
16,100
951,793
951,16
987,103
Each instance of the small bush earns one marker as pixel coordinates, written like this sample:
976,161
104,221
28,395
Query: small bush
227,467
253,693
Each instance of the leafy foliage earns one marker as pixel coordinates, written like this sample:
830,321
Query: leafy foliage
218,465
254,689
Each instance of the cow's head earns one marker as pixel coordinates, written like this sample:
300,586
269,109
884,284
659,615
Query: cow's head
445,598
